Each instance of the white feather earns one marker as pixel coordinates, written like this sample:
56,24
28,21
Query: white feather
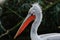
37,11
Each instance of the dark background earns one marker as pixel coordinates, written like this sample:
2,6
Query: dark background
15,11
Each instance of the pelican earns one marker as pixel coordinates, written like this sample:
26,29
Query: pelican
35,13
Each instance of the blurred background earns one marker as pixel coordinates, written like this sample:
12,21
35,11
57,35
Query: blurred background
13,13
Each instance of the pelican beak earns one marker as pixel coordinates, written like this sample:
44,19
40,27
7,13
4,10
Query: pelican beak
28,19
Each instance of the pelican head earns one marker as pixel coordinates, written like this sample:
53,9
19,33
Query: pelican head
36,8
33,14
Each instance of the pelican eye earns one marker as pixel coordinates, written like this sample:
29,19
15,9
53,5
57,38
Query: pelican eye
32,14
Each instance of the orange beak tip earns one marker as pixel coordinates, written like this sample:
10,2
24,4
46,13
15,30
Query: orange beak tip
15,37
